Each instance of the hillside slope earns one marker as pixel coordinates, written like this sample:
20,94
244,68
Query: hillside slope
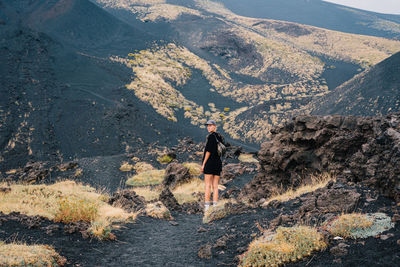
61,97
320,14
375,91
250,73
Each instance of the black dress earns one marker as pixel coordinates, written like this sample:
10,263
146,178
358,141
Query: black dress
214,164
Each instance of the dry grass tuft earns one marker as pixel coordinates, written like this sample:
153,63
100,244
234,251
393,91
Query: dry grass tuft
152,177
288,244
158,210
142,167
186,193
248,158
65,202
147,192
24,255
346,224
194,168
316,182
73,209
126,167
165,159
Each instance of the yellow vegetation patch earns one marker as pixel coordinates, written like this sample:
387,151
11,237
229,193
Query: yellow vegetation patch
194,168
248,158
64,202
142,167
316,182
151,10
288,244
25,255
346,224
147,192
165,159
126,167
186,192
152,177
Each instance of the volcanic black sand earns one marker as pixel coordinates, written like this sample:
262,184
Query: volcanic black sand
154,242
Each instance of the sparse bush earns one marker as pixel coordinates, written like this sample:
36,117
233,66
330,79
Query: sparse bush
152,177
101,229
288,244
357,225
165,159
73,209
33,255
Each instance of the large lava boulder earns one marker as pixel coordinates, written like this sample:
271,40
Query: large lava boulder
175,174
357,149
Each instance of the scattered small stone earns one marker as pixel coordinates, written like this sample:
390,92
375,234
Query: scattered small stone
5,190
205,252
338,260
241,249
50,229
398,242
370,199
338,238
201,230
339,250
387,236
396,218
221,252
174,223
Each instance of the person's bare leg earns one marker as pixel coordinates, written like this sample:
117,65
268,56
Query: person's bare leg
215,182
207,190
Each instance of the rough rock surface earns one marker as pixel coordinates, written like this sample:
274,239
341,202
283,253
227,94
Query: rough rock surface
230,171
357,149
321,205
175,173
169,200
127,200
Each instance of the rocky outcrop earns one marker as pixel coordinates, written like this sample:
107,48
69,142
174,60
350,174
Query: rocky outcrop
175,174
357,149
128,200
169,200
320,205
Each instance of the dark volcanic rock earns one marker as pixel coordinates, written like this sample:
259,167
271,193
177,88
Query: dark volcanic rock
127,200
230,171
339,250
175,173
357,149
205,251
5,190
168,199
34,172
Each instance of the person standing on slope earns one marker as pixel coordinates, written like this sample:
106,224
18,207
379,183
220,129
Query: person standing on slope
212,164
